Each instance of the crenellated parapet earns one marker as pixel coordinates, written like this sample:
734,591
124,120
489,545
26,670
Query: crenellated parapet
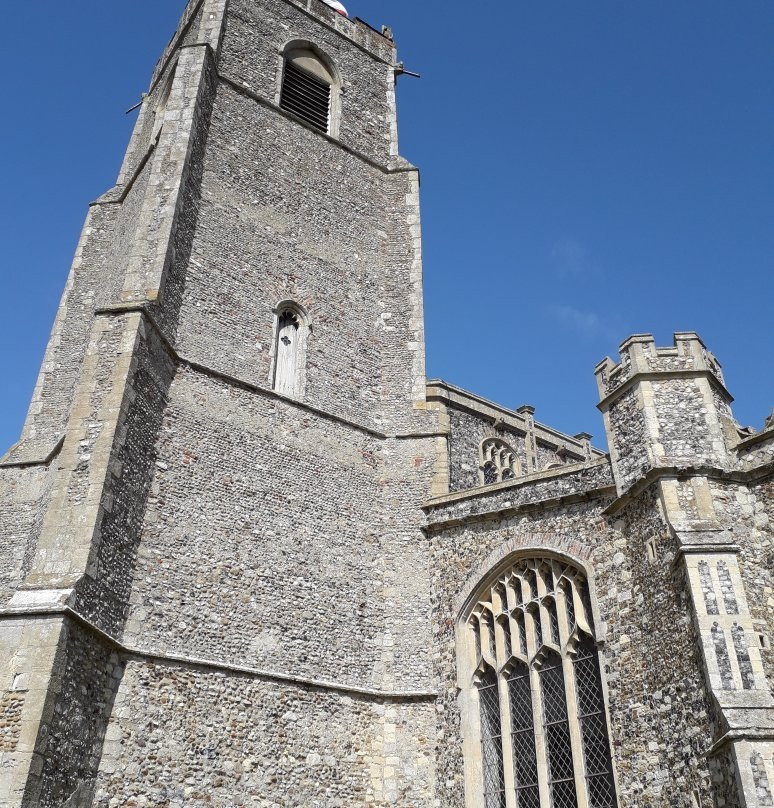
669,425
665,407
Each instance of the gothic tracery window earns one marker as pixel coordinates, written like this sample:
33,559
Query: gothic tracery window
498,462
536,677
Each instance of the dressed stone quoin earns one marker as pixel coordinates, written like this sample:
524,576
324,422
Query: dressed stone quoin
253,557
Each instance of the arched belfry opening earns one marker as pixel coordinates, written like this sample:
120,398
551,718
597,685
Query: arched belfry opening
310,87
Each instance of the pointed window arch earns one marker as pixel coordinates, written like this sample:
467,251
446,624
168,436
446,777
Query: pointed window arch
528,650
288,374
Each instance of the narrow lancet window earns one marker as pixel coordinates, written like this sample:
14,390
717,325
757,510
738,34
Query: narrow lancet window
289,351
491,740
544,740
523,738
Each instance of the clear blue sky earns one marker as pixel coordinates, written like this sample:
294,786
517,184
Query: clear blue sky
589,170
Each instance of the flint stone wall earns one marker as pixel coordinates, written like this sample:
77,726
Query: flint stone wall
255,38
649,645
279,539
188,737
629,438
89,676
336,243
682,421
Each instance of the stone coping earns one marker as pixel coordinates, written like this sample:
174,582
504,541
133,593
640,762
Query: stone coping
519,482
753,440
149,655
439,390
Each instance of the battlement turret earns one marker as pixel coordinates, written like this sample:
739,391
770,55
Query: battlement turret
665,407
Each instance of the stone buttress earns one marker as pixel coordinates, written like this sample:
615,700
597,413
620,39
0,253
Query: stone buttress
671,431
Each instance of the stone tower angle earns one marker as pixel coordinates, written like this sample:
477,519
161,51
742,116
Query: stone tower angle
253,557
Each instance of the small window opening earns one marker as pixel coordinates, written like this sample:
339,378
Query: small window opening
307,88
650,549
498,462
289,351
763,641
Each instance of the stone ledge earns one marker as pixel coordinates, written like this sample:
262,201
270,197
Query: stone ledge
753,440
542,491
685,472
29,454
147,655
537,476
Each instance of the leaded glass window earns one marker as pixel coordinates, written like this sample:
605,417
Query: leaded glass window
491,741
544,738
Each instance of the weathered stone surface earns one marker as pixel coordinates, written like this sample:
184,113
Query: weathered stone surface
218,594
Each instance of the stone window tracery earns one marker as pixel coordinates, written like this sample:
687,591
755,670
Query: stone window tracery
498,462
533,669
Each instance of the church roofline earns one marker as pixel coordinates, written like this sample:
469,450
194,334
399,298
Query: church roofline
440,390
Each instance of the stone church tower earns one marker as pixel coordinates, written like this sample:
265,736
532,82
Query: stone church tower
253,558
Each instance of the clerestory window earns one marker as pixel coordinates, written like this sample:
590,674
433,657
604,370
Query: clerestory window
535,685
308,88
498,462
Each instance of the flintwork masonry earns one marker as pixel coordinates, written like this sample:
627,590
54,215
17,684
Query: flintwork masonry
254,557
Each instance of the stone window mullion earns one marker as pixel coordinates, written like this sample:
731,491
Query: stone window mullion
576,739
541,751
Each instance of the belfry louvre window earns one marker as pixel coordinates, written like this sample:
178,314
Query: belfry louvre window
307,96
543,728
